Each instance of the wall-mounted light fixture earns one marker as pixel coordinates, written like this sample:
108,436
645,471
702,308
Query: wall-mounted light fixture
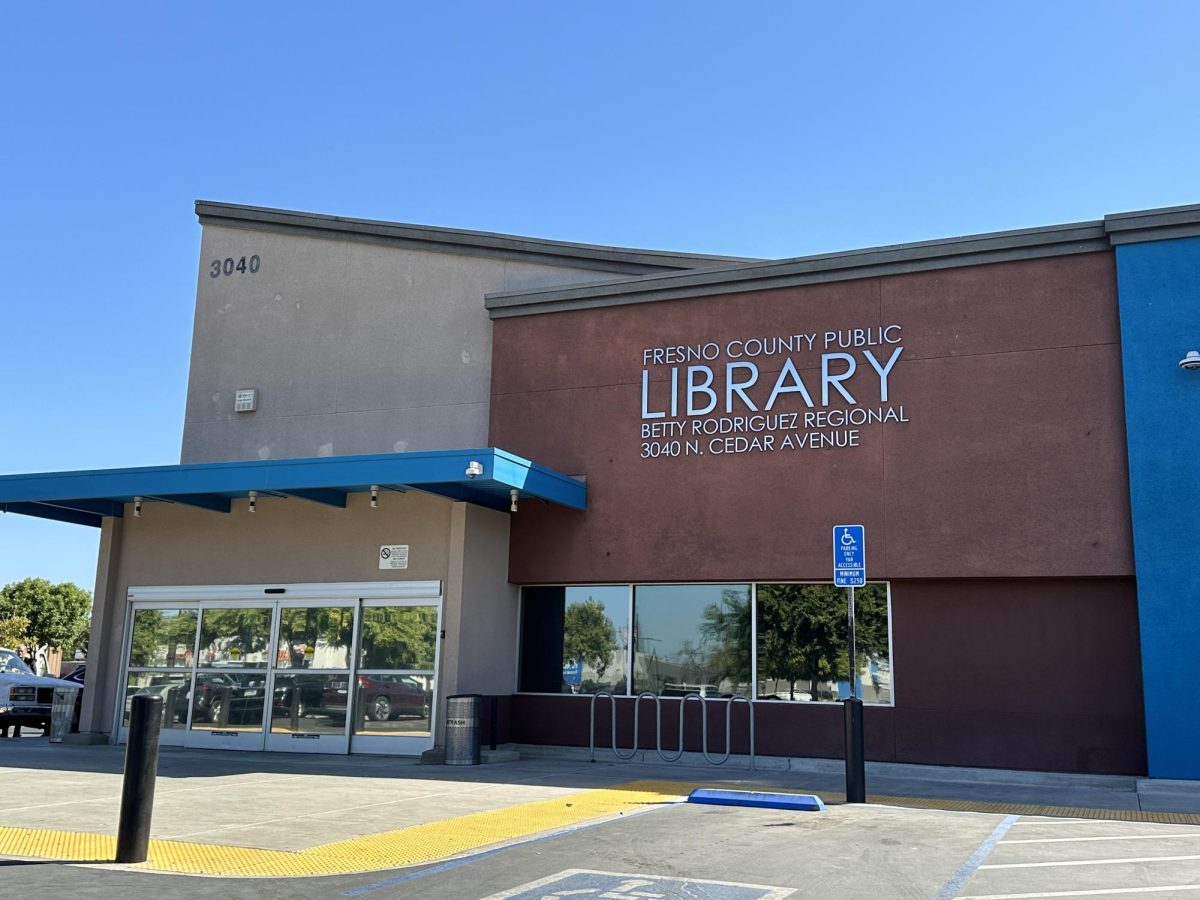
254,501
374,496
137,507
1191,360
474,468
512,496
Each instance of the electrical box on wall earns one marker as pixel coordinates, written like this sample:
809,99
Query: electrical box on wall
245,400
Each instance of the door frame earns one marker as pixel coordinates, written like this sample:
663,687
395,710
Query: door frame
275,596
402,744
288,742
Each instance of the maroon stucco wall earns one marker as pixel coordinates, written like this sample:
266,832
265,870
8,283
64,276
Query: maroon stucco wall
1007,674
1009,481
1012,463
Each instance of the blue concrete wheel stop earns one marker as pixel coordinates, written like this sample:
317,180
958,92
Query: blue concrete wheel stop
758,799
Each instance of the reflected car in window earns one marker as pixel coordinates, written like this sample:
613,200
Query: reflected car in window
307,695
390,696
243,692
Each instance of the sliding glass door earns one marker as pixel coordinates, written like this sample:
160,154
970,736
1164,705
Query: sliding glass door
313,675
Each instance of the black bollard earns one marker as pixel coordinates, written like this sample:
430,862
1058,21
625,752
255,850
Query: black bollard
137,790
856,764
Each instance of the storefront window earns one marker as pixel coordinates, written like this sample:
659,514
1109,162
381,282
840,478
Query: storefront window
398,637
574,640
315,637
163,638
701,638
692,639
802,643
394,688
235,637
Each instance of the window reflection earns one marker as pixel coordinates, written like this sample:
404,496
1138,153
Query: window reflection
692,638
398,637
803,643
228,701
390,703
575,640
163,638
171,687
697,638
315,637
235,638
310,704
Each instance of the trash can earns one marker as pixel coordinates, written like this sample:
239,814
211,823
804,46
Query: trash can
462,729
62,713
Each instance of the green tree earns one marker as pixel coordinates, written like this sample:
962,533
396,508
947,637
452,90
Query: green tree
802,632
14,631
589,635
57,613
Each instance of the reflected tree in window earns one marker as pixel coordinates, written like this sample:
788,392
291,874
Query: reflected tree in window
802,633
589,635
398,637
162,637
725,634
240,635
303,629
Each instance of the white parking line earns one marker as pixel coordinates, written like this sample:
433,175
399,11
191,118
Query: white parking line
1107,837
1107,892
1044,820
1088,862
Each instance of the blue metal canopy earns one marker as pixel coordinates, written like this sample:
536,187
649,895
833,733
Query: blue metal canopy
85,498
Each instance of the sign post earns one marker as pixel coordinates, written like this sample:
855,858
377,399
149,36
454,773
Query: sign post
850,571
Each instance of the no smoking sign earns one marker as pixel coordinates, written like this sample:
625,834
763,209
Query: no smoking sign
393,556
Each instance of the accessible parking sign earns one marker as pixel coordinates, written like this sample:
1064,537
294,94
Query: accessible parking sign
849,556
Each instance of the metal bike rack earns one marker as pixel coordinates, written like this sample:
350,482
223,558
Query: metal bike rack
671,756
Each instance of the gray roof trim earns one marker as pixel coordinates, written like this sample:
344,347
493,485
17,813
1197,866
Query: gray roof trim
621,260
971,250
1153,224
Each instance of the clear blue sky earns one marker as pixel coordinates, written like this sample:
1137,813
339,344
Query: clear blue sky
760,129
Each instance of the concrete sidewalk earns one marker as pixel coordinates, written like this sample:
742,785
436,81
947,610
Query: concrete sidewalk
285,814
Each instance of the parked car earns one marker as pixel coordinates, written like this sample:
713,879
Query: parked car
25,698
390,696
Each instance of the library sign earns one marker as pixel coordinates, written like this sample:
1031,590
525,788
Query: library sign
784,393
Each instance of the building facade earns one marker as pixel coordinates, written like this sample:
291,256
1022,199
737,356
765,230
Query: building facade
420,462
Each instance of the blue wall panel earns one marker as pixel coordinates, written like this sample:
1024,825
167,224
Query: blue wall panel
1159,285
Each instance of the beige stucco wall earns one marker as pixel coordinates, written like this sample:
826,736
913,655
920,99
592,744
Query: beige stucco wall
354,347
480,655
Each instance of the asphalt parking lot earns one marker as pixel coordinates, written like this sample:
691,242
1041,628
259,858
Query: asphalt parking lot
568,829
724,853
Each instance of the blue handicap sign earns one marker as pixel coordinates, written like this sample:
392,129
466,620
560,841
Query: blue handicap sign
849,555
573,672
581,884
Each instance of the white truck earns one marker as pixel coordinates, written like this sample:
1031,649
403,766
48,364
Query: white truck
25,698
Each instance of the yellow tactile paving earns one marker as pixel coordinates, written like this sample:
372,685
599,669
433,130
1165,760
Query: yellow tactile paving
451,837
391,849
